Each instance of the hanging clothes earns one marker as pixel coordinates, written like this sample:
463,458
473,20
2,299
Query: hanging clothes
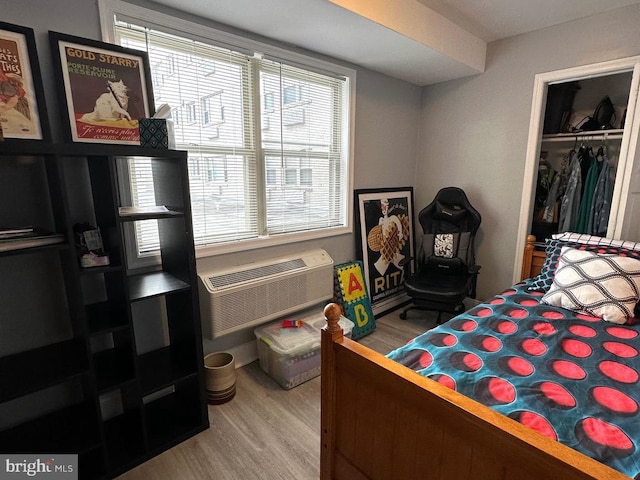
552,197
570,204
589,187
601,204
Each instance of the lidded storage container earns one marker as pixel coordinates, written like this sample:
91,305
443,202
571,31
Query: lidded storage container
291,356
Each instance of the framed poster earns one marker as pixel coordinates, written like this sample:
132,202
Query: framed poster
106,89
385,243
23,115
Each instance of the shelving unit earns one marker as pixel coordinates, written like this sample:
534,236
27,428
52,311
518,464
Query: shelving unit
75,378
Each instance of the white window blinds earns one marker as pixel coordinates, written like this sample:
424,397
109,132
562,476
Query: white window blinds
266,141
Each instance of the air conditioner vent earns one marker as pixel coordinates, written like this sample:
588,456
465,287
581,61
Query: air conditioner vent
233,278
235,298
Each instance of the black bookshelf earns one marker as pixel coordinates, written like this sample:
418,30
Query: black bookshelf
111,404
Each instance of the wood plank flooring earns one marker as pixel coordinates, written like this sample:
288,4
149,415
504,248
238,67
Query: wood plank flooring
266,432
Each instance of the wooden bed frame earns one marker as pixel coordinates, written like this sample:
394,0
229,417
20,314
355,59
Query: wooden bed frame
382,420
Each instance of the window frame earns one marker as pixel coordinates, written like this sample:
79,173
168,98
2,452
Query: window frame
109,9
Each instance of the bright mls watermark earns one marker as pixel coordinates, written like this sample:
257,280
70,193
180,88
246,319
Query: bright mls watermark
49,467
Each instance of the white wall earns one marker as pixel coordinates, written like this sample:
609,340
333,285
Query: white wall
386,122
473,131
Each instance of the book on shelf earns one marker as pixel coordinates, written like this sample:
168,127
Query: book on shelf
15,232
33,240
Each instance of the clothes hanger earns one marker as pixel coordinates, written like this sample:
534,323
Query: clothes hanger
602,150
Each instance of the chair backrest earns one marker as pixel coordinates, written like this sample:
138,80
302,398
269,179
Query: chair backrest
449,224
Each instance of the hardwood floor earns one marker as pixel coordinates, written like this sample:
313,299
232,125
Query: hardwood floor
267,432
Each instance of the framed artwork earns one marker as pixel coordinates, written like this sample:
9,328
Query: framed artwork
23,114
385,243
105,88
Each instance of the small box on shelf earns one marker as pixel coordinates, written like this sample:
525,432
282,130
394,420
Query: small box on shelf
156,133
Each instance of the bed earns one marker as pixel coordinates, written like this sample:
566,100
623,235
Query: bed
384,420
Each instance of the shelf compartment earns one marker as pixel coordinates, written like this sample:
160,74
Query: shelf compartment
91,464
176,416
29,195
124,438
73,429
105,317
162,367
154,284
114,367
42,367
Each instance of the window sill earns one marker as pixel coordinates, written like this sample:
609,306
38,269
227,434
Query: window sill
264,242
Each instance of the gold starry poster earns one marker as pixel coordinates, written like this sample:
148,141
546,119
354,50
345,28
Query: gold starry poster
106,89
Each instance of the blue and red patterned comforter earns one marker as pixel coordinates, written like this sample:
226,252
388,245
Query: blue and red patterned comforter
572,377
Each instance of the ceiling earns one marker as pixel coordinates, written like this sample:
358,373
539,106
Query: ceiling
419,41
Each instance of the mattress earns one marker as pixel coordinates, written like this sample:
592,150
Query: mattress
569,376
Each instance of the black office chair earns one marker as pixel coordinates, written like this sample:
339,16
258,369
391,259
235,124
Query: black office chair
446,272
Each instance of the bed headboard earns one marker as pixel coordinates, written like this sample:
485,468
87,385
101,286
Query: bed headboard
532,259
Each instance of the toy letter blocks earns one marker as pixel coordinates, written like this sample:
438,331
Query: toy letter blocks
351,293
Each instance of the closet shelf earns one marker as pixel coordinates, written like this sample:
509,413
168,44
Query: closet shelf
615,134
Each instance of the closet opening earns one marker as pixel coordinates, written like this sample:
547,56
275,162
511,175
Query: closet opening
582,144
579,151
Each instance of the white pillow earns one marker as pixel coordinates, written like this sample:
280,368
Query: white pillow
593,240
603,285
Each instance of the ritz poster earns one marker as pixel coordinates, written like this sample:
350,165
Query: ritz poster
386,244
106,93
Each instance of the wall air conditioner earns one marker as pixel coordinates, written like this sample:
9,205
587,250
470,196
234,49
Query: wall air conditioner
235,298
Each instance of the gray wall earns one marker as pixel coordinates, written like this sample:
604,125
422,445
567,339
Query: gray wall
386,123
473,131
470,132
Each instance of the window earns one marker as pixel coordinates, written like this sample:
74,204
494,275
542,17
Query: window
212,109
292,117
268,102
295,94
189,112
267,141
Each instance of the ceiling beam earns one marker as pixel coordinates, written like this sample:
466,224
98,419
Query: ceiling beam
424,26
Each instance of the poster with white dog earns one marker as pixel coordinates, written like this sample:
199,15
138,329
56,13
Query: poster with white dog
106,93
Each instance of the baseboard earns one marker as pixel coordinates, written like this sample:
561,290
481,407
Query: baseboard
244,353
471,302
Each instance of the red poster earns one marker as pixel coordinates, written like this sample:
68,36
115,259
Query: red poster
106,93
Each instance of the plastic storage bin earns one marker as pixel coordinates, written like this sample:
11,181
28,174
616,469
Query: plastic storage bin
291,356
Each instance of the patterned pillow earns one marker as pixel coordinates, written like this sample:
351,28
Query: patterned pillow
606,286
587,239
443,245
447,245
542,282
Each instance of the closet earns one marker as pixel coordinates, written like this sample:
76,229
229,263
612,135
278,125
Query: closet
579,151
582,118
